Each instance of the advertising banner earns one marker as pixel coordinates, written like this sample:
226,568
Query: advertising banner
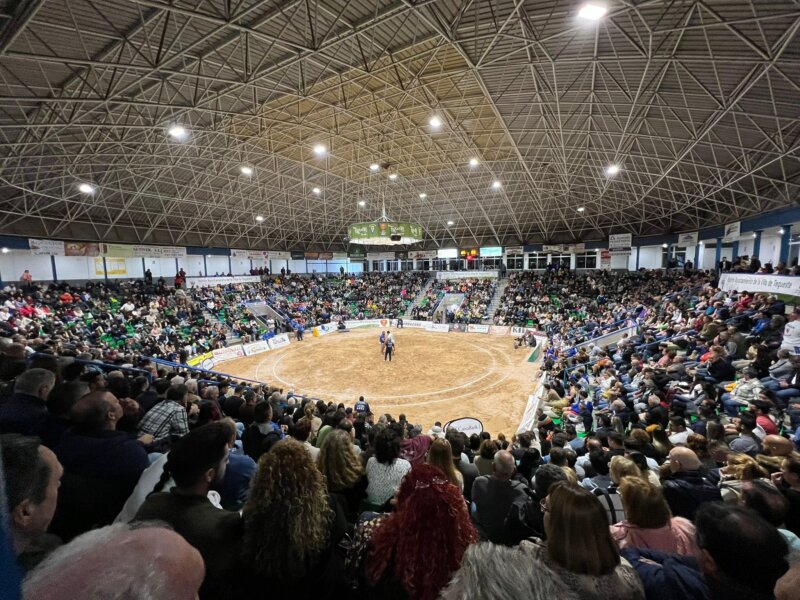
422,254
620,240
280,255
228,353
687,239
732,232
199,282
46,247
415,324
380,255
200,360
438,327
250,254
499,330
256,347
625,252
458,327
374,233
528,418
752,282
324,329
279,341
514,250
440,275
173,252
475,328
127,251
605,260
468,425
363,323
81,249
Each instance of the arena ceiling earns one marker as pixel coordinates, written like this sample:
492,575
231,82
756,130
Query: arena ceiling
696,102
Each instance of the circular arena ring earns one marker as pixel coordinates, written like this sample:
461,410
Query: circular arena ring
432,377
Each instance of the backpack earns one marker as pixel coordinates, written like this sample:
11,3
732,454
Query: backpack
612,503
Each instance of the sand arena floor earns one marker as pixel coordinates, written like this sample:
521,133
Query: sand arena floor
433,376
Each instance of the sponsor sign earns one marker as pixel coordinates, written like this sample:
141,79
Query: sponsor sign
732,232
81,249
620,240
297,255
173,252
528,418
324,329
448,275
515,250
363,323
250,254
605,260
280,255
228,353
438,327
468,425
256,348
46,247
279,341
687,239
625,252
422,254
489,251
197,361
752,282
475,328
499,330
380,255
128,251
199,282
459,327
415,324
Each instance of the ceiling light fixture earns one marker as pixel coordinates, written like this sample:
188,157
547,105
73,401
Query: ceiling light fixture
361,203
85,188
592,12
178,132
581,209
320,150
374,167
435,122
473,162
208,256
246,170
423,195
496,185
6,250
259,218
612,170
450,223
393,176
317,191
781,231
701,243
755,234
665,245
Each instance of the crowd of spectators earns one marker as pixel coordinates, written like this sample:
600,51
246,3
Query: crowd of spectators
478,294
663,467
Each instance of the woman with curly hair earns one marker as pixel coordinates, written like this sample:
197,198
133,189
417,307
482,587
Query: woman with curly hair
343,471
739,468
291,528
413,552
440,455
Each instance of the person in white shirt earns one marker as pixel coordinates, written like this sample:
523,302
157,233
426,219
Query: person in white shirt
791,333
679,434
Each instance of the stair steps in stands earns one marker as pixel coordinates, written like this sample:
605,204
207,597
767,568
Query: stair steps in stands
498,295
419,297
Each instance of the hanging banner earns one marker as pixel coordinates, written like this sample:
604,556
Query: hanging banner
605,260
250,254
687,239
422,254
514,250
732,232
279,341
46,247
114,266
467,425
620,241
280,255
200,282
753,282
81,249
173,252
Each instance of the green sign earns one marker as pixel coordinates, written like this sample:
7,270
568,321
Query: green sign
381,231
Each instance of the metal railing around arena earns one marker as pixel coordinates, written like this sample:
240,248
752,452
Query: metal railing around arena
105,367
183,367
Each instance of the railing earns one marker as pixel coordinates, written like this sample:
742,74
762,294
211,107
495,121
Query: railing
568,337
105,367
183,367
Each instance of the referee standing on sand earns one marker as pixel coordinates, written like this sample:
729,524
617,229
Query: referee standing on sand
389,348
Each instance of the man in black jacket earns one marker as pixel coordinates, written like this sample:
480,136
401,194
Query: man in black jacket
686,488
468,471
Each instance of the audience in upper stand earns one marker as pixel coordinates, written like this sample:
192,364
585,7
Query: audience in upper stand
684,436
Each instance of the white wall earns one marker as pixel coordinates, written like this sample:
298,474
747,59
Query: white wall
297,266
162,267
650,257
275,266
260,262
75,267
16,261
216,264
133,269
192,264
632,259
619,261
240,266
770,251
746,246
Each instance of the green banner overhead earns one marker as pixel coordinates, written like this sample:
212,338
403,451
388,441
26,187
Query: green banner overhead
385,233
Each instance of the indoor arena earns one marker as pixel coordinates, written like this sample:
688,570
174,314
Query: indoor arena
399,299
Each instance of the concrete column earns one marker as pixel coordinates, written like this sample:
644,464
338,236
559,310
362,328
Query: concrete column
718,254
757,243
638,254
785,239
735,251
